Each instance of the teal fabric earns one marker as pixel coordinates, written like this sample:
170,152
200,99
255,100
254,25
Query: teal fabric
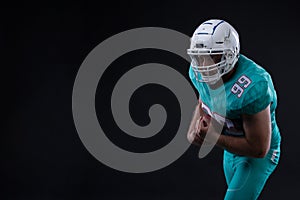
246,176
249,91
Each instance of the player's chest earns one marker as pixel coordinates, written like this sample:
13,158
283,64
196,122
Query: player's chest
226,101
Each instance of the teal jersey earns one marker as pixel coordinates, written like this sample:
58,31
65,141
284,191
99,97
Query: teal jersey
249,91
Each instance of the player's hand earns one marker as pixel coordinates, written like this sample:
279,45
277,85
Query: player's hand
198,134
202,126
206,131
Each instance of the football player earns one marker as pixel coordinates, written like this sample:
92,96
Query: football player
249,135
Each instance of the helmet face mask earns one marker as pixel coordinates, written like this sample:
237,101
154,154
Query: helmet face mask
214,50
208,65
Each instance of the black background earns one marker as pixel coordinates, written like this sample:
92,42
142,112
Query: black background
43,45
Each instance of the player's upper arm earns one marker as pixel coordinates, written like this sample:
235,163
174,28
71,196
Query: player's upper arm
258,131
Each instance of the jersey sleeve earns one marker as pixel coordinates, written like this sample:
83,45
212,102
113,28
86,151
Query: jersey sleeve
257,98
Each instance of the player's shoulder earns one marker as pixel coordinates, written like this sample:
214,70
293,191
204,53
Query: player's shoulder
250,83
249,77
253,87
252,70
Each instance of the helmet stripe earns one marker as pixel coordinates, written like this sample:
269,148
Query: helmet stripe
214,28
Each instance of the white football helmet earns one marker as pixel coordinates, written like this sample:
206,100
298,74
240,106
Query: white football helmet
213,38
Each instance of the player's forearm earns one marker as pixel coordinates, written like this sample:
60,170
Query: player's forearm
240,146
